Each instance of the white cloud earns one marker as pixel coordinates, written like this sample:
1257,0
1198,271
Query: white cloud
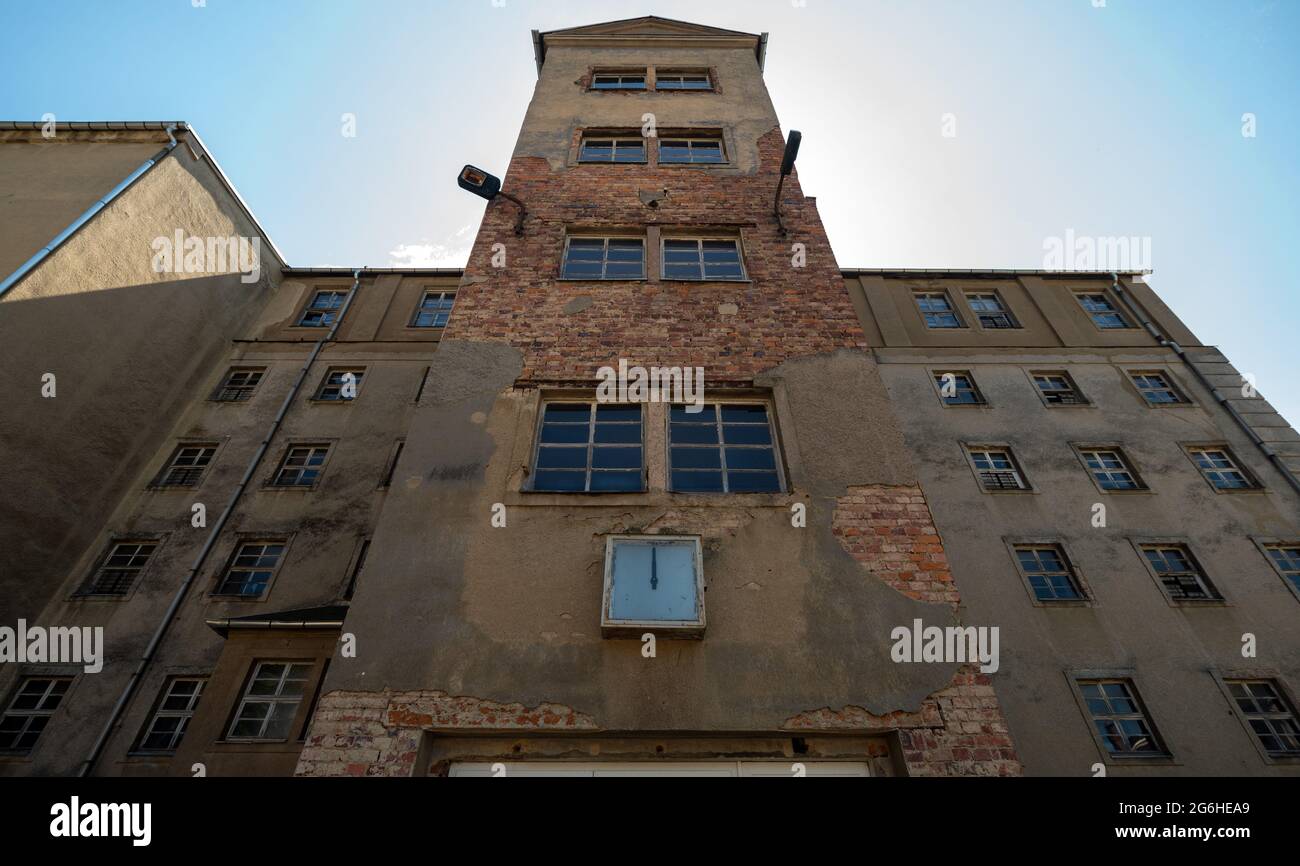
451,252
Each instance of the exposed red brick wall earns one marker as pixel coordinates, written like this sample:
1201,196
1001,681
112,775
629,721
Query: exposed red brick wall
890,530
785,312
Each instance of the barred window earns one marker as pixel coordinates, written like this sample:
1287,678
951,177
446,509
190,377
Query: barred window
937,310
119,569
616,258
434,310
702,259
172,714
724,448
1058,389
29,711
1101,311
1179,572
997,469
1119,717
990,311
301,466
270,701
1268,715
239,384
612,150
251,568
1110,468
1049,572
322,310
958,389
1220,469
186,466
589,447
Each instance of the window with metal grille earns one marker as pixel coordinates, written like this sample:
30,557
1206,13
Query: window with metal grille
1179,572
937,310
1111,469
958,389
990,311
1119,717
251,568
322,310
618,81
702,259
1058,389
1101,311
301,466
724,448
1220,469
187,465
434,310
694,151
997,469
589,447
612,150
666,79
604,259
118,571
1156,388
1049,572
1286,558
340,384
239,384
29,711
171,716
1269,716
270,701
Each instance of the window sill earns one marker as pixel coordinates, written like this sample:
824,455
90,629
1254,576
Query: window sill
564,279
635,630
741,281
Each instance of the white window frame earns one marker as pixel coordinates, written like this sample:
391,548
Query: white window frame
442,295
611,627
691,142
615,142
326,313
161,712
719,768
245,698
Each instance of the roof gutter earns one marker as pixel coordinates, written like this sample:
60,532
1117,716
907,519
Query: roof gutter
1158,335
182,591
62,237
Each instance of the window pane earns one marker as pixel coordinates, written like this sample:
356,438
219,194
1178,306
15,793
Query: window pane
697,482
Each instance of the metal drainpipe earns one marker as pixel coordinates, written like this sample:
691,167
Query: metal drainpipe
181,591
1200,377
46,251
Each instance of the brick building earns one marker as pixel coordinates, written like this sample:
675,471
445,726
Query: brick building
432,547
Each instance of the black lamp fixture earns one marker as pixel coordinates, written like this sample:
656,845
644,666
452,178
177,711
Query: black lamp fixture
488,186
787,166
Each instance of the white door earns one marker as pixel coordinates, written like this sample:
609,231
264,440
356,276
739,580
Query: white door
682,768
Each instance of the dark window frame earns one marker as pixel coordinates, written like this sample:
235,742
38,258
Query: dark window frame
230,391
604,260
1072,387
589,468
232,565
721,445
187,476
936,377
699,241
281,467
1160,751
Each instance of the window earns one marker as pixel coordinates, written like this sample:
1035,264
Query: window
1286,559
251,568
589,447
1049,572
612,150
937,310
1101,311
958,389
618,80
239,384
1268,715
724,448
301,466
1121,721
1058,389
672,79
1156,388
1110,468
340,384
604,259
1221,469
997,469
172,714
29,712
989,310
653,581
702,259
1179,573
434,310
270,701
119,569
322,310
693,151
186,465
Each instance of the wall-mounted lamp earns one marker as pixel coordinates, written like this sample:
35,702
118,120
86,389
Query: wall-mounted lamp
787,166
479,182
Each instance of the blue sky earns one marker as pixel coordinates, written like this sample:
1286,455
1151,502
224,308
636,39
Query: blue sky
1118,121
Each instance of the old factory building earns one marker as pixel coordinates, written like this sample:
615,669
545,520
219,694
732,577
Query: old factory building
451,523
